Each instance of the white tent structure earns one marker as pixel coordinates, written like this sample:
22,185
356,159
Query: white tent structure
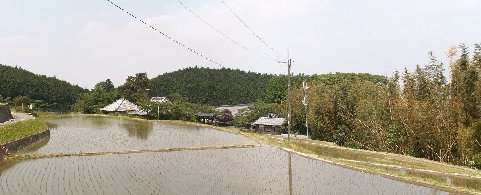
125,106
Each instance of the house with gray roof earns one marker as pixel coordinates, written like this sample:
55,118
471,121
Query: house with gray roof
269,125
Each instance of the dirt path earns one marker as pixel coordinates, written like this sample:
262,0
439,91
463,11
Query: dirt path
18,117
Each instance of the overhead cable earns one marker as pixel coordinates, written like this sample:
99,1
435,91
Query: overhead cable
167,36
223,34
247,26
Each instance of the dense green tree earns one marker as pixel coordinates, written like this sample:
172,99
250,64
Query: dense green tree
136,88
105,86
22,102
212,86
103,94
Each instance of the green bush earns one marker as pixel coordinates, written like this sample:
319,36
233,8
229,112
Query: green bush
476,161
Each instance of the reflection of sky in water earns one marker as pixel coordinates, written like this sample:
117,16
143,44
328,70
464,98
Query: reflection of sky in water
260,170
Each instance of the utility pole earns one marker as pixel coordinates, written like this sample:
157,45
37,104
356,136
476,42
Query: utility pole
306,103
289,64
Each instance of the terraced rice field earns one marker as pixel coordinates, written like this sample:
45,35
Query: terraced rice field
252,170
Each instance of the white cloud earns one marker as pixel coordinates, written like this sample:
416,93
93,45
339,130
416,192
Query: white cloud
323,36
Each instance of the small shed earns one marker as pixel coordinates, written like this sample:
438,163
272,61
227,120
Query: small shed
123,106
205,117
5,113
269,125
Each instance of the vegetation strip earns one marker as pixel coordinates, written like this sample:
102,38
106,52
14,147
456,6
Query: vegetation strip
59,155
421,177
412,169
389,155
17,131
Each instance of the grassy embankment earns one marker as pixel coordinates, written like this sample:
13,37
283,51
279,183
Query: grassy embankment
424,172
444,176
16,131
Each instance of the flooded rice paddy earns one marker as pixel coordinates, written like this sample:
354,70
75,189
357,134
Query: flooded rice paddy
254,170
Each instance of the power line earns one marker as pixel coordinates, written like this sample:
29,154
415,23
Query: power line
167,36
223,34
247,26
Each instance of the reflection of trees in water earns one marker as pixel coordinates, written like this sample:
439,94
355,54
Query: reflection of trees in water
140,130
9,163
289,165
52,125
35,146
99,121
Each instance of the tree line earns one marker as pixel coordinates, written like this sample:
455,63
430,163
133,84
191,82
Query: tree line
45,92
212,86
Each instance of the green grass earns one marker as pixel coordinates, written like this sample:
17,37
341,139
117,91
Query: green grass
16,131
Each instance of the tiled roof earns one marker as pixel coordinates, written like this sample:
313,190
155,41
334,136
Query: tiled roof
270,121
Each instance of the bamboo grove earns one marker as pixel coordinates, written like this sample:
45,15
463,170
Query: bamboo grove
420,113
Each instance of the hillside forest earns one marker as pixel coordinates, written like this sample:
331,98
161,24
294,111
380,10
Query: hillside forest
20,86
426,112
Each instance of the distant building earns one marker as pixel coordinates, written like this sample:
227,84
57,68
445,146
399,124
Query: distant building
207,118
159,99
124,106
269,125
233,109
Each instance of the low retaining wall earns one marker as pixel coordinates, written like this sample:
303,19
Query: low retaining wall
5,113
17,145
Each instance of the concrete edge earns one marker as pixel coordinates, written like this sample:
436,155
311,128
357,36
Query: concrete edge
17,145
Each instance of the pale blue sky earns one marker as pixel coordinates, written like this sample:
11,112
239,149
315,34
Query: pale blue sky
88,41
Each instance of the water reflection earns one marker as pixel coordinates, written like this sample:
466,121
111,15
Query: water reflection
103,134
36,146
6,165
289,164
99,121
259,170
140,130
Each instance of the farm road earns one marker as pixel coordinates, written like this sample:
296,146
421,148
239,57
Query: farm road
18,117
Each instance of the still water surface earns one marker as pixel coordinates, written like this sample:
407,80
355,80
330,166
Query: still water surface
259,170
